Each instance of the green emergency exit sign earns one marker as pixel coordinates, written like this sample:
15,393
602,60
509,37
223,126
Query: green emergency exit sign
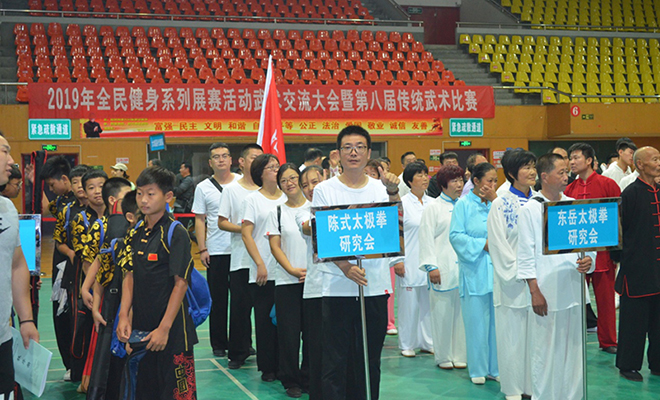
49,129
49,147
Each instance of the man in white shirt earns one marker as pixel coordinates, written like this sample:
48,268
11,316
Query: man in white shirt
554,284
341,311
621,168
215,244
313,156
230,216
14,281
407,158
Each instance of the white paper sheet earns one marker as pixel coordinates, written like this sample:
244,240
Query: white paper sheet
31,365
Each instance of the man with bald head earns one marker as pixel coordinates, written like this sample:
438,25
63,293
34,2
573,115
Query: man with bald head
638,282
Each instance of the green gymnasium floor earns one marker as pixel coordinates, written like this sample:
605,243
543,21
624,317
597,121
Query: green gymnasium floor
402,378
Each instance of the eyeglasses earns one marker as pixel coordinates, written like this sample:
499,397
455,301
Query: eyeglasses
219,156
293,179
348,149
273,168
16,184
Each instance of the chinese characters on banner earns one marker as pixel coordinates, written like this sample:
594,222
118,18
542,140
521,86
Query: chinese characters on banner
305,108
579,226
346,233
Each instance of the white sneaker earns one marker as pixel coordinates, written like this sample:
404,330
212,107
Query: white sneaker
460,365
392,331
67,376
493,378
516,397
446,365
479,381
408,353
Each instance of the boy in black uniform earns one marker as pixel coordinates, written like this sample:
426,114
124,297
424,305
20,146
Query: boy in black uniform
82,322
98,261
157,274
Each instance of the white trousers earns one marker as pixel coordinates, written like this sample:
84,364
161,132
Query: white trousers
512,326
557,355
414,318
448,329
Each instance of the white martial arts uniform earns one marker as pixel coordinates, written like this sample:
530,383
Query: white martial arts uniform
511,297
556,337
615,172
437,253
413,297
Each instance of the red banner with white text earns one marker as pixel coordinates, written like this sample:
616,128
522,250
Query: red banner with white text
186,109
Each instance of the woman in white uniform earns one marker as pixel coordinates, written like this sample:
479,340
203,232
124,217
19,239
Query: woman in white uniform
510,295
290,251
413,299
438,259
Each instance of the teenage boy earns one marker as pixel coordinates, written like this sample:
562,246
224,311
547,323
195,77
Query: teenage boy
106,369
590,185
157,273
230,218
82,323
215,244
619,169
342,350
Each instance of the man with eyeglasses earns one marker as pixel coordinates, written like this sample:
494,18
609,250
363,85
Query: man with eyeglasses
12,189
215,244
341,312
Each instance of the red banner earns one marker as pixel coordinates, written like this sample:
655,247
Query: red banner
243,102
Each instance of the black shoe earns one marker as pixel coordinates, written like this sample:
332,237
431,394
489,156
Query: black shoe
253,352
234,364
219,353
294,392
632,375
269,377
610,350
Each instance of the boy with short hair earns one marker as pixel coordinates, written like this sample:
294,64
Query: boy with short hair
157,273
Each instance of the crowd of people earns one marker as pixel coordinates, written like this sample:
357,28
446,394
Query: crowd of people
473,288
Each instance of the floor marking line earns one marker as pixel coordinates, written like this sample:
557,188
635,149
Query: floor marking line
233,379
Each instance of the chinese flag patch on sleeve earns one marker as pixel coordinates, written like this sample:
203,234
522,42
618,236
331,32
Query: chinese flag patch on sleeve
152,257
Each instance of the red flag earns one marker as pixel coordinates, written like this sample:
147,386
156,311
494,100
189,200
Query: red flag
270,124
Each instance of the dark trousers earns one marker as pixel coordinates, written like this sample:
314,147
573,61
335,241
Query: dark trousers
218,278
240,324
34,298
343,355
263,298
290,325
638,317
6,368
166,375
313,322
62,326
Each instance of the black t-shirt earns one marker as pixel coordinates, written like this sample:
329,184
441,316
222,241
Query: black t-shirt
154,267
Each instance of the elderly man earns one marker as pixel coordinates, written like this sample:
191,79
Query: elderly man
638,282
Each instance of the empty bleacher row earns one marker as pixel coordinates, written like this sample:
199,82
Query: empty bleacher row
579,66
600,14
139,55
316,9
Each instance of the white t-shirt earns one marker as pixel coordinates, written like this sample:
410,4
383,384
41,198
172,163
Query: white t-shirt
331,193
291,240
615,172
257,209
628,180
313,288
403,188
207,202
231,207
9,241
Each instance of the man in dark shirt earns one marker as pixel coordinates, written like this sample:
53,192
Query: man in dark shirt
446,158
638,281
185,192
92,128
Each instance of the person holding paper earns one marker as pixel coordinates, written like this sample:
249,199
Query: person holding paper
554,284
510,296
468,236
439,260
342,344
14,280
638,282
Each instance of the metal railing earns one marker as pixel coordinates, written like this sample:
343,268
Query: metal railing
575,96
207,18
5,94
522,25
504,10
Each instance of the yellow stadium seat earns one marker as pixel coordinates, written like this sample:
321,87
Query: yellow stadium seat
554,49
536,76
555,41
649,90
564,87
606,78
642,43
605,42
490,39
647,78
564,78
522,77
593,68
630,52
593,60
475,48
517,40
606,60
497,58
579,68
619,69
553,59
619,78
504,39
539,58
531,84
631,69
478,39
578,77
654,43
580,50
606,89
512,58
495,67
529,40
592,51
633,78
464,39
606,69
541,41
566,41
605,51
506,3
526,58
630,42
500,48
538,67
643,52
567,50
507,77
527,49
548,97
484,58
635,90
551,67
487,48
514,49
620,89
524,67
577,88
592,42
565,67
510,67
580,41
543,50
550,77
593,90
592,77
618,52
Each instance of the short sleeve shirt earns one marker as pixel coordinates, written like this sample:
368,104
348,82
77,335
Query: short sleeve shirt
231,207
207,202
80,229
292,241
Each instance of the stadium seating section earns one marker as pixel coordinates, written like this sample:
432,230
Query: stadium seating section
139,55
317,9
599,14
580,66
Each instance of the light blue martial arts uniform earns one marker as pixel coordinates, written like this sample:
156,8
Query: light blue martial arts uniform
468,232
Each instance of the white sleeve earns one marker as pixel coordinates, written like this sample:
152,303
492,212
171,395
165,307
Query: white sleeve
249,211
272,227
526,244
427,250
501,253
199,205
224,210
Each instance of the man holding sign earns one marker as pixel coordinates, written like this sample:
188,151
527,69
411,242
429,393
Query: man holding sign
341,311
554,283
14,280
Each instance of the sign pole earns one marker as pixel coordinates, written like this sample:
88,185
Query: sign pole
584,331
363,315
